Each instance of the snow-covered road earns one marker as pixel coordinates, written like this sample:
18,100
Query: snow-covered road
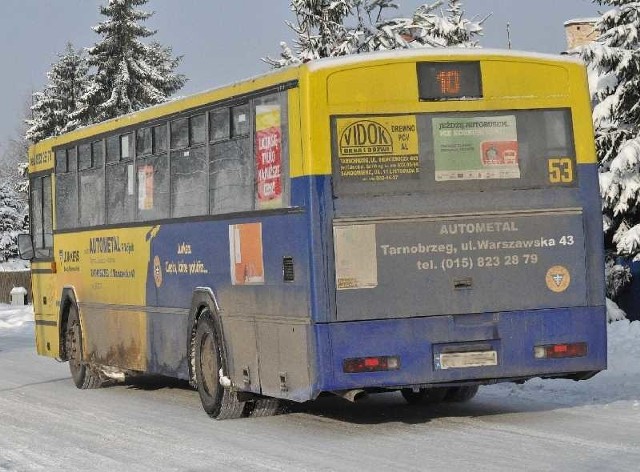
47,424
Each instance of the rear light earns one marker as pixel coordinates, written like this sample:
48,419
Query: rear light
554,351
370,364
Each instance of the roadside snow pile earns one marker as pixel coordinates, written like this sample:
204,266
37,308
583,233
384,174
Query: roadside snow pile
621,380
15,318
13,265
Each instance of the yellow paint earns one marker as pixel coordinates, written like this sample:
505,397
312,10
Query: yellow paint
269,117
377,135
108,267
380,88
295,140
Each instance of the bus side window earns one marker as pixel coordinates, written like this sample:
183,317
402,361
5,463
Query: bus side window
67,192
189,191
84,156
271,142
179,133
159,139
91,197
144,142
91,189
62,164
41,216
240,120
113,149
197,130
231,185
219,124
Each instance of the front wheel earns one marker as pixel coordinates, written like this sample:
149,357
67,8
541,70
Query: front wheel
219,402
82,375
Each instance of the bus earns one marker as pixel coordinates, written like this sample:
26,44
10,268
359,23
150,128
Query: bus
424,221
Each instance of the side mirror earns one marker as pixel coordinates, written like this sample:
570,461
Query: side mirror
25,246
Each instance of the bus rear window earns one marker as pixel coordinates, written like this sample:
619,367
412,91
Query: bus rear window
511,149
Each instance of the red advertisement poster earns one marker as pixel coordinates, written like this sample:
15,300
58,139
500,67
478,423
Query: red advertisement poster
268,156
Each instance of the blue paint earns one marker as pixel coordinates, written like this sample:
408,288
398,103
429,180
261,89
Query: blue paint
307,236
416,340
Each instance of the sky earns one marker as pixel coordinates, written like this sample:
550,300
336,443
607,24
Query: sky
223,41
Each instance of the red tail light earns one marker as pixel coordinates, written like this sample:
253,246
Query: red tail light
555,351
370,364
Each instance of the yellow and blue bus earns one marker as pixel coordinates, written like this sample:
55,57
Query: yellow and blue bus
425,221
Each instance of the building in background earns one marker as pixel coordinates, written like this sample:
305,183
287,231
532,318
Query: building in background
580,31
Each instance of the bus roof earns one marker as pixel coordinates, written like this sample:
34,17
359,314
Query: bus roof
290,73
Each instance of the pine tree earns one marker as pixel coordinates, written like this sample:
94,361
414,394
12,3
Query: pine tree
54,107
615,57
13,221
327,28
129,74
452,29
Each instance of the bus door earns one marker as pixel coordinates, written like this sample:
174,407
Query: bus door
43,265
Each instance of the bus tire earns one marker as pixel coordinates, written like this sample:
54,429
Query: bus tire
424,396
83,376
218,402
263,407
461,394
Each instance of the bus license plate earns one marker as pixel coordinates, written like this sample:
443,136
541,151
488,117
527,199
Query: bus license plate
456,360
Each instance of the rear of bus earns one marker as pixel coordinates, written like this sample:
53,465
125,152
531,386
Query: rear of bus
461,221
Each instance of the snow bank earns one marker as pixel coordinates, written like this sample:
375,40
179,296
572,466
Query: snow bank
15,318
621,380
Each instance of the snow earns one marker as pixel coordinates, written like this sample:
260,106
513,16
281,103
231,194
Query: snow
621,378
580,21
48,424
422,53
15,319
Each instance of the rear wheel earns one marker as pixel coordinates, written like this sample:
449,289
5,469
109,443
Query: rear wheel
263,407
461,394
424,396
82,375
219,402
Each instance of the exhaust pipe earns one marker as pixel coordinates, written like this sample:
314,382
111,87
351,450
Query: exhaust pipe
351,395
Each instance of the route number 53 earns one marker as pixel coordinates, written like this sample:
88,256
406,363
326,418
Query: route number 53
560,170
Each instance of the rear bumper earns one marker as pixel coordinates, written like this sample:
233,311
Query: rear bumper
416,341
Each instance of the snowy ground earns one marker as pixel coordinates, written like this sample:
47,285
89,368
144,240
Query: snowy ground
621,381
47,424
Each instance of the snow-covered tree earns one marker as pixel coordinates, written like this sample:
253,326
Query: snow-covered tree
450,29
54,107
615,59
13,156
326,28
129,74
13,221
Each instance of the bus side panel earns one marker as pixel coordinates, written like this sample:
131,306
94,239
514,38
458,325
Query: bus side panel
45,309
594,240
263,315
417,342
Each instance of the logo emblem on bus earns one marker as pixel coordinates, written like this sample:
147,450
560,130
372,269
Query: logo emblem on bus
157,271
365,137
558,278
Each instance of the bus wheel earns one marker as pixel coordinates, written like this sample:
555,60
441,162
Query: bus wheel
461,394
82,375
424,396
263,407
219,402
